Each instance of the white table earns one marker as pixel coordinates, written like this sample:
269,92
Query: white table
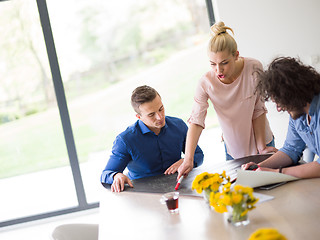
295,212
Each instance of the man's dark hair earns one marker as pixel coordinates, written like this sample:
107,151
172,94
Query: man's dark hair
289,83
142,95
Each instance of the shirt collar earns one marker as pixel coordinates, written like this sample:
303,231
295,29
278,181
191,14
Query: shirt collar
314,105
145,129
312,111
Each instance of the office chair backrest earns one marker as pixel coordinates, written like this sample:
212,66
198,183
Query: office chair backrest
76,232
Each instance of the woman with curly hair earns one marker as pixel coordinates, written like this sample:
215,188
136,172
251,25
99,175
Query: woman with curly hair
295,88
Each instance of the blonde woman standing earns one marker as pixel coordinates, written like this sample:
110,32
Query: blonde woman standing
230,86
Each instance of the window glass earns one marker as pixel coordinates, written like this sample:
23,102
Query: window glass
32,145
108,48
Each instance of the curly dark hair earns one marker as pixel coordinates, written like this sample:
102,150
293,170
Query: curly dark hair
142,95
289,83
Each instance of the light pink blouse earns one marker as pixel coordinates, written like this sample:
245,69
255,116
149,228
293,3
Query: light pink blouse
236,105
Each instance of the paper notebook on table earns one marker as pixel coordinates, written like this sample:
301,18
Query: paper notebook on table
261,178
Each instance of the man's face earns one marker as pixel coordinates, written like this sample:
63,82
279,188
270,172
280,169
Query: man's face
294,114
152,114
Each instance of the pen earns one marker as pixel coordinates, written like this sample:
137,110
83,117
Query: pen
233,180
178,183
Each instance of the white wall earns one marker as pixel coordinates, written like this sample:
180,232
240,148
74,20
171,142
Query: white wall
265,29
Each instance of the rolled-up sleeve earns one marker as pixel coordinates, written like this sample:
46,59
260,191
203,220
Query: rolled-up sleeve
259,108
293,145
200,105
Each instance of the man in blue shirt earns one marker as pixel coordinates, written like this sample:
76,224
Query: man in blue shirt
151,146
295,88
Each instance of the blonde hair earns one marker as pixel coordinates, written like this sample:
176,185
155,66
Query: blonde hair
221,40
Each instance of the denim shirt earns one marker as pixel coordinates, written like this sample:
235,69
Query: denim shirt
300,133
146,154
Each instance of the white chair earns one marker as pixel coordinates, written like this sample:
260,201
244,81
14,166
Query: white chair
76,232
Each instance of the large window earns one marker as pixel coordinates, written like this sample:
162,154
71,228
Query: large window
107,48
32,144
104,49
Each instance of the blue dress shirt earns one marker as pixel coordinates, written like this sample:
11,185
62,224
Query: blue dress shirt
300,133
146,154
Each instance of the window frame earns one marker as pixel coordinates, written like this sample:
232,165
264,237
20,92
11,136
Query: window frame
65,120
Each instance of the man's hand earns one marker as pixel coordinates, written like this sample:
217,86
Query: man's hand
174,167
268,169
268,149
119,180
247,165
185,168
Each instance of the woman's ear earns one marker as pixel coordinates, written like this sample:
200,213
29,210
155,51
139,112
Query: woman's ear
236,55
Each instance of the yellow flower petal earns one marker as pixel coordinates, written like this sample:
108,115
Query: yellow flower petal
236,198
267,233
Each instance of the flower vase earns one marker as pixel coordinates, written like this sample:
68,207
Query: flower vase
238,215
206,195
